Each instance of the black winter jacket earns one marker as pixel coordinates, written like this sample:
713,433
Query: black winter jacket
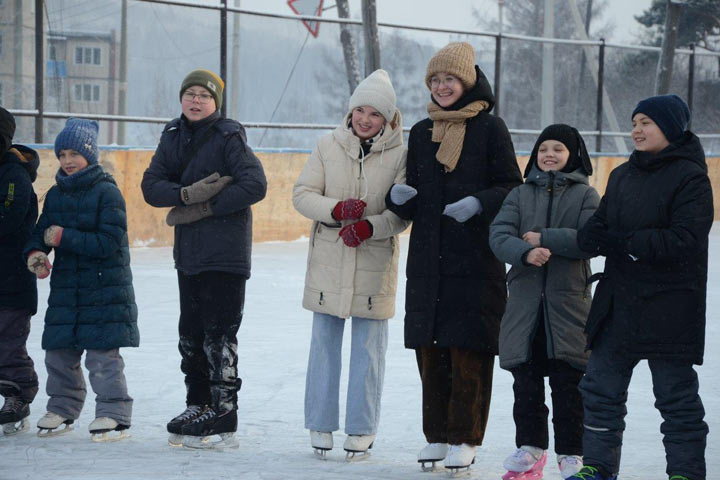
655,282
223,241
18,213
455,294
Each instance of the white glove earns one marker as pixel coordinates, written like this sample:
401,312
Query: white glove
463,209
400,193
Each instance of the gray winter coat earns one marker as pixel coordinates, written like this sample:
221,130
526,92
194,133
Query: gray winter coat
555,204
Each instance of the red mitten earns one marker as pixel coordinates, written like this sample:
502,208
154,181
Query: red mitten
356,233
38,263
53,235
350,209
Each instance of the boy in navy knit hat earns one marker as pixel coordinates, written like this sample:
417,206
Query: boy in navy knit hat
18,292
92,303
652,226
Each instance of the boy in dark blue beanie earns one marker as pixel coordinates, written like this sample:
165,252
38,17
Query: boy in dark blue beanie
652,226
84,221
18,292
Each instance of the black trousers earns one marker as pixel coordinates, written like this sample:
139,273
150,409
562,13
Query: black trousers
211,310
530,412
17,371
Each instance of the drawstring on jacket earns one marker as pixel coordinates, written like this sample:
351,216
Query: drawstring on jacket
363,178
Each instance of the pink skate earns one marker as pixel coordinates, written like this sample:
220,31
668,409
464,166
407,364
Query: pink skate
535,472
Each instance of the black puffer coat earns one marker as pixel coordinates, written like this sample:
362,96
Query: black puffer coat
223,241
18,213
455,295
662,205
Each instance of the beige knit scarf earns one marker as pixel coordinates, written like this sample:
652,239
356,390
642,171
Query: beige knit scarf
449,130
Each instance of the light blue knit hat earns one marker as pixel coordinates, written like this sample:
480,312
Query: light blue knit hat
79,134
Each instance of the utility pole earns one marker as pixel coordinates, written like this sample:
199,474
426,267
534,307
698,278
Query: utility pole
39,70
372,40
667,55
547,101
235,66
581,77
122,90
352,65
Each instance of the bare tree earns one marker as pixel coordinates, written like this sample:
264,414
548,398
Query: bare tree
667,55
352,64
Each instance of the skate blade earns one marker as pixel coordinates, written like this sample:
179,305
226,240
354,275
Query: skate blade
351,456
176,440
460,471
227,441
434,467
321,453
111,436
54,432
529,475
16,427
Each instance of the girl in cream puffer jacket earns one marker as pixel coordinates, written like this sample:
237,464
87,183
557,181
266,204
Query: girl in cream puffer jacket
352,261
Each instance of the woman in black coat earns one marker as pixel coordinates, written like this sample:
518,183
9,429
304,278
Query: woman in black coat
460,166
652,226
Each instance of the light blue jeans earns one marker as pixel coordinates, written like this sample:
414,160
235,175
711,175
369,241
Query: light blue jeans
367,370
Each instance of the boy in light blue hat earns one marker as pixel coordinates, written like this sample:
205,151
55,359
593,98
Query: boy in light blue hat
92,303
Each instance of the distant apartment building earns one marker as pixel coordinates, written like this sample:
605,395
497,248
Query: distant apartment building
80,71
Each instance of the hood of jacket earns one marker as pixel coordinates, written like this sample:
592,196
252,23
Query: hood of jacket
24,156
541,178
391,136
480,91
83,179
687,148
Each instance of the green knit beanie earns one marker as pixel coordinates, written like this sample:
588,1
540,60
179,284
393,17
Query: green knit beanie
206,79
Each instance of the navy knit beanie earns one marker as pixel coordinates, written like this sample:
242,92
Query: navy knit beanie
80,135
7,130
669,112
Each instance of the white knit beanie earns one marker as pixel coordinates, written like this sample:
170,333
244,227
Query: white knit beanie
377,92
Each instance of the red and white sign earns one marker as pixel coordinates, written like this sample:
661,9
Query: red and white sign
308,7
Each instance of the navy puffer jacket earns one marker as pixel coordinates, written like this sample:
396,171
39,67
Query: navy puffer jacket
223,241
92,302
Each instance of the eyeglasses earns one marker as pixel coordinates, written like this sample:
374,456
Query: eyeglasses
436,82
202,98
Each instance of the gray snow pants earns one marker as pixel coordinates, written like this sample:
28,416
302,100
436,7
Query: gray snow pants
66,383
17,371
675,385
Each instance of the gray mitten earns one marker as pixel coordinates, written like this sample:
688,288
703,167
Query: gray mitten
189,214
203,190
463,209
400,193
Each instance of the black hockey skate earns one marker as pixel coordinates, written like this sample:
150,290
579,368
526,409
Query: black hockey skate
202,432
174,426
14,416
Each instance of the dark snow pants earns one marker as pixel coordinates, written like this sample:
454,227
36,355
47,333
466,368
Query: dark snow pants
456,386
17,371
530,412
211,310
675,385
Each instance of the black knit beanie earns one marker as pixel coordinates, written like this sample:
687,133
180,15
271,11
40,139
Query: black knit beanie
669,112
7,130
573,141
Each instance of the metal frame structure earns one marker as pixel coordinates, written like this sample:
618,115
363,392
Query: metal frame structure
223,9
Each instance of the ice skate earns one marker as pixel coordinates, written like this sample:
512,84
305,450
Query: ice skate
321,442
174,426
50,422
459,458
432,454
569,465
106,429
211,431
525,463
588,472
357,446
14,416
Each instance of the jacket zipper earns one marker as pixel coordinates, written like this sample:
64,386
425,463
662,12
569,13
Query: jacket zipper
320,302
543,297
369,303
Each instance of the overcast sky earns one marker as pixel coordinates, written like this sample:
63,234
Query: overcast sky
458,13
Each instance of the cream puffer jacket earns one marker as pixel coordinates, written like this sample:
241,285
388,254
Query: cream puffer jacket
341,280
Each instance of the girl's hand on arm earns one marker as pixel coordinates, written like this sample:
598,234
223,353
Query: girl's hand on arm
533,238
538,256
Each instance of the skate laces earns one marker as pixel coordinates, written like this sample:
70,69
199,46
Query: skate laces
207,415
191,411
586,473
679,477
11,404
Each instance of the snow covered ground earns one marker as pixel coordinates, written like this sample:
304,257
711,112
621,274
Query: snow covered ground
273,347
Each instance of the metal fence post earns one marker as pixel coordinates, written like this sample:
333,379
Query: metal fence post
223,54
39,70
498,72
600,87
691,82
